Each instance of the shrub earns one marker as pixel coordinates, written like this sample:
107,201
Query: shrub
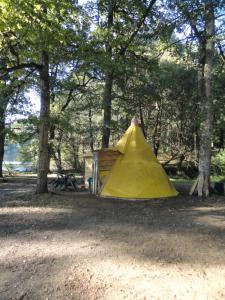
218,163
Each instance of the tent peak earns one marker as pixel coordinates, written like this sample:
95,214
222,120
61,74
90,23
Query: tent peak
134,121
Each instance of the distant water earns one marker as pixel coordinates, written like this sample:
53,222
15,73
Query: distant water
12,152
11,159
17,165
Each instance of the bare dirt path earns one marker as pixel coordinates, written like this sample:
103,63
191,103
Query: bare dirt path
76,246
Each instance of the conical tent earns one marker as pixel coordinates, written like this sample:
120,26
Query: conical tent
137,172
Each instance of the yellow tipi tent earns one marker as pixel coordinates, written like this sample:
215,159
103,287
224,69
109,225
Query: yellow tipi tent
137,172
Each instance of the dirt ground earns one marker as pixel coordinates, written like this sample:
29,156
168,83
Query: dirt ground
71,245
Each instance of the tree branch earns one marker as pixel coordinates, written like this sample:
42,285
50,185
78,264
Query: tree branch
23,82
149,60
221,51
70,95
172,158
20,67
138,26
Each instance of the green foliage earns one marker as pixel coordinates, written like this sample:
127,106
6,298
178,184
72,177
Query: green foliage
155,75
29,152
35,26
24,133
218,163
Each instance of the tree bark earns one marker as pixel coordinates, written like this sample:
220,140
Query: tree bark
157,130
44,155
221,138
2,140
203,186
107,103
91,129
142,120
107,94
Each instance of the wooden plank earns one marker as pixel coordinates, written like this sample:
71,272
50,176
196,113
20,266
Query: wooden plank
107,160
108,157
108,153
106,163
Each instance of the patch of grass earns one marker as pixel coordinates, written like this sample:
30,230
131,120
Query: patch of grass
181,180
216,178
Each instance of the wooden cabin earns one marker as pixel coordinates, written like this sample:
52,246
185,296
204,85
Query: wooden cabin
98,166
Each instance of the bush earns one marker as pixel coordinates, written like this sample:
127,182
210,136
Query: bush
218,163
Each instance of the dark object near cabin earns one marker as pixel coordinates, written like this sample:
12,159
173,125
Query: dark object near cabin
64,182
218,188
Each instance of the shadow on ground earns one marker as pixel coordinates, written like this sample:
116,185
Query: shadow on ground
53,232
130,222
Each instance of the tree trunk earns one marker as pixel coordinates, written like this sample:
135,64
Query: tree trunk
59,160
221,138
91,130
157,130
203,186
2,140
107,102
44,155
107,95
142,120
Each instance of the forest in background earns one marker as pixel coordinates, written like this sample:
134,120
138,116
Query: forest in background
96,64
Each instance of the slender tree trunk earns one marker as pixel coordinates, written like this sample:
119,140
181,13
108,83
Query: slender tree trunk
59,160
221,138
142,120
195,147
91,130
55,151
2,140
203,186
107,102
157,130
107,94
43,163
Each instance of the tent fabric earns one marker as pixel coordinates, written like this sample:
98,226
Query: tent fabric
137,174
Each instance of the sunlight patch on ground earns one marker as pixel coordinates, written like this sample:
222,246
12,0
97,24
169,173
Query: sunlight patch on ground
47,246
121,279
26,211
208,209
93,273
97,267
214,221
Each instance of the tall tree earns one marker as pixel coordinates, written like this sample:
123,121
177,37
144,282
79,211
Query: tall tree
201,18
11,102
4,100
107,94
124,21
206,103
29,31
44,151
